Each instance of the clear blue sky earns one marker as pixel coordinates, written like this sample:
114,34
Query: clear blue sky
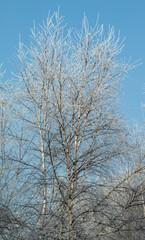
128,16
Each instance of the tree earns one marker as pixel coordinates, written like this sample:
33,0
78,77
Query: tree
8,171
69,133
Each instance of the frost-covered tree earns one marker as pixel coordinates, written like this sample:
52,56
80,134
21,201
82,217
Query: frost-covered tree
70,140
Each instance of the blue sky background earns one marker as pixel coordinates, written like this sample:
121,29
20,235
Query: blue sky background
128,16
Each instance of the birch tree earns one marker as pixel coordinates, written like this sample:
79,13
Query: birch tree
72,137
